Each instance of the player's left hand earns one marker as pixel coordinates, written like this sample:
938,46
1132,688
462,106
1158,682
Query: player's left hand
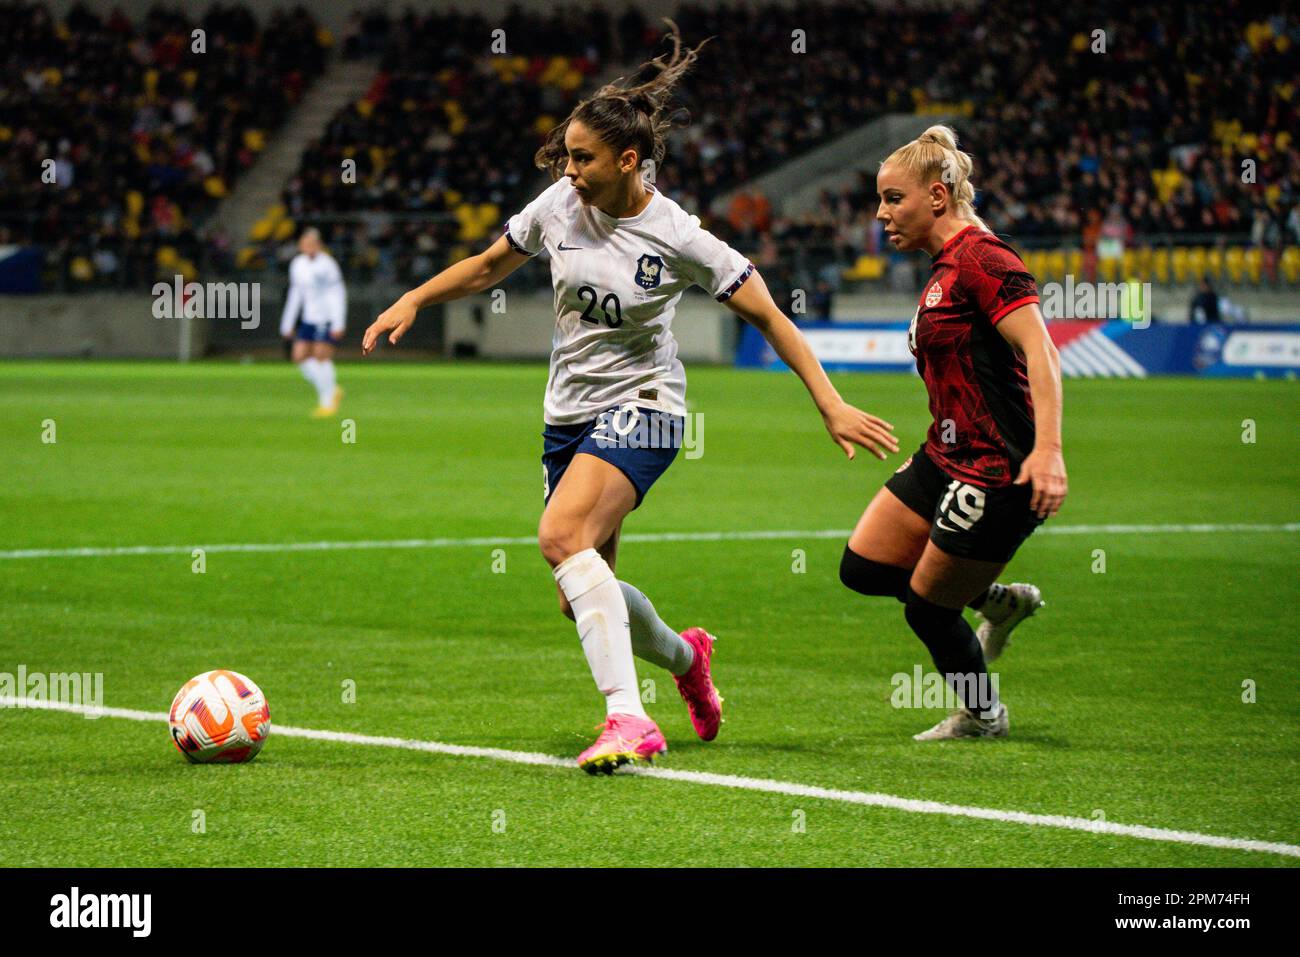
1044,469
851,426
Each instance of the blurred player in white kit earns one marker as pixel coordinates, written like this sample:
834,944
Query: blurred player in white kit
316,291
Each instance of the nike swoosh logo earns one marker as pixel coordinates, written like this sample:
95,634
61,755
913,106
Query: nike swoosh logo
562,246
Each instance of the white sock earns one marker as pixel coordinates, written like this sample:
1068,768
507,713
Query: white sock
308,369
326,380
601,616
651,638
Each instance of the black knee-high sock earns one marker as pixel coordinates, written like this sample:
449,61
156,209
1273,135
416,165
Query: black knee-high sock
955,650
872,578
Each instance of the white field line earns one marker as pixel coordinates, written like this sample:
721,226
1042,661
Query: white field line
732,781
493,541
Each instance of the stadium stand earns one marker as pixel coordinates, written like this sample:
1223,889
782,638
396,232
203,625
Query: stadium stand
1094,163
143,142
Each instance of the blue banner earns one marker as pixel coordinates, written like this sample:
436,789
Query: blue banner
1089,349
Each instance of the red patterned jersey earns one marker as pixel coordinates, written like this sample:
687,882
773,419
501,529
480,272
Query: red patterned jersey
979,387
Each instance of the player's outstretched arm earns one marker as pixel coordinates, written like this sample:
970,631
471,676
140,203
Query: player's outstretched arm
846,424
465,278
1044,468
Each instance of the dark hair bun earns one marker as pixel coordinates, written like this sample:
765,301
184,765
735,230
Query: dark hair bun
643,103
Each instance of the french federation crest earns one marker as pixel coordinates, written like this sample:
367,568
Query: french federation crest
649,270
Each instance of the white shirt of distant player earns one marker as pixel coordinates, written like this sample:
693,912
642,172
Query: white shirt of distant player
315,287
617,283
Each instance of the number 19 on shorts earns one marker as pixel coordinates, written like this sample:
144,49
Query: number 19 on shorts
963,505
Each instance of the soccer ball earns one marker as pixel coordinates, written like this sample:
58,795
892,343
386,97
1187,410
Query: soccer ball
220,716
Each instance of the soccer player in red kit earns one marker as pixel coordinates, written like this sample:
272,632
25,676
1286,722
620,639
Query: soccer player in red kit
940,532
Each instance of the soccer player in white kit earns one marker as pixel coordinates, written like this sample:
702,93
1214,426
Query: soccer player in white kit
316,290
622,254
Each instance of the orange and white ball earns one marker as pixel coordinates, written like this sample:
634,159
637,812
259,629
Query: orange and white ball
220,716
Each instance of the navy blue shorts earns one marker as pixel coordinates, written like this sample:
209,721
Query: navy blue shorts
641,443
307,332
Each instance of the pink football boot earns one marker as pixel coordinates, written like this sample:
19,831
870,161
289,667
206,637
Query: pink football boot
696,686
625,738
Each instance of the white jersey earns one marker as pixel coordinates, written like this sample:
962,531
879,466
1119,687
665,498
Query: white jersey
617,283
315,287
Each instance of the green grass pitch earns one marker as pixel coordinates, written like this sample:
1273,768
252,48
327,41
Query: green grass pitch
1126,692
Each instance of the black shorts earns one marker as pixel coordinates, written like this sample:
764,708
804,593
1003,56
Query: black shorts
970,521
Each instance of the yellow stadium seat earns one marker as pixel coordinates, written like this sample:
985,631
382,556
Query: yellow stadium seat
1034,262
464,214
1235,263
1128,263
1196,262
261,230
1055,265
166,257
1254,264
1074,263
1180,264
1214,263
134,203
246,257
81,269
867,267
1142,263
284,230
1160,265
1108,269
1291,264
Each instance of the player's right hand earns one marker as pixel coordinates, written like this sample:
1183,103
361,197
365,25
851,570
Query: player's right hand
849,426
394,320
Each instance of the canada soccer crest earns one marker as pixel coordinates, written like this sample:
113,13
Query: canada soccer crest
649,270
933,295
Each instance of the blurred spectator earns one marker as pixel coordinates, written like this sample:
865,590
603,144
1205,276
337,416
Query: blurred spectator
1205,304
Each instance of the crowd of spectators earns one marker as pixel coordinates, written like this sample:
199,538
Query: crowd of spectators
1176,124
118,138
1089,124
442,143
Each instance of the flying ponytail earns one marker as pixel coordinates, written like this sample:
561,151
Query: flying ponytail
626,117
